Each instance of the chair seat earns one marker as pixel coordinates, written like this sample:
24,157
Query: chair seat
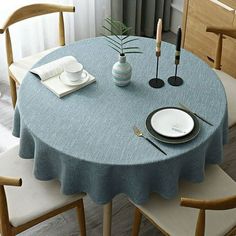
34,198
181,221
19,69
230,88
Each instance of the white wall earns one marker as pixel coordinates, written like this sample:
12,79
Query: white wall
176,14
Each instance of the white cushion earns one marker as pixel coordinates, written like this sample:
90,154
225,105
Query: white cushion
181,221
20,68
230,89
34,198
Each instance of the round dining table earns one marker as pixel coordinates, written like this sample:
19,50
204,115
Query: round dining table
86,139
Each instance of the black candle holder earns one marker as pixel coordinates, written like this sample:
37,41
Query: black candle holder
175,80
156,82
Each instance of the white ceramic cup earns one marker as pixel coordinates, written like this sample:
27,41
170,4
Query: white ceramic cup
74,71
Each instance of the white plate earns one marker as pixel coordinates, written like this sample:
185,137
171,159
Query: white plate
65,80
171,122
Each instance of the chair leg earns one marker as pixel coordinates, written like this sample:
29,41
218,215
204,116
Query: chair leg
7,231
107,219
13,91
137,222
81,217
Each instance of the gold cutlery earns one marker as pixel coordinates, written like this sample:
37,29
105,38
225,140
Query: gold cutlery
201,118
139,133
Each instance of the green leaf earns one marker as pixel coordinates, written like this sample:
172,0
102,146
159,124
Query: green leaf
115,45
119,26
126,30
111,39
111,32
129,41
112,24
121,33
114,49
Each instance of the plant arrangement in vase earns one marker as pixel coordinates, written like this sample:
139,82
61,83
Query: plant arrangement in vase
118,41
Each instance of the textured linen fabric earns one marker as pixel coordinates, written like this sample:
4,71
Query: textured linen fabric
86,139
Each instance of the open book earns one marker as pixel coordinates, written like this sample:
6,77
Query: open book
50,76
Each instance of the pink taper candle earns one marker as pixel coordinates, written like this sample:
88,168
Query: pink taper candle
158,37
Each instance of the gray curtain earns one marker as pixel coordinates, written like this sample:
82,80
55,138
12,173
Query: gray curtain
142,15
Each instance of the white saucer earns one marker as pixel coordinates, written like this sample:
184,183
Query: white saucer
171,122
65,80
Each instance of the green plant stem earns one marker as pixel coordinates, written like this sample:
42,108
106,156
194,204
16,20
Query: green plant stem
121,44
132,52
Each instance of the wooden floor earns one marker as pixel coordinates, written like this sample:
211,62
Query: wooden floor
66,223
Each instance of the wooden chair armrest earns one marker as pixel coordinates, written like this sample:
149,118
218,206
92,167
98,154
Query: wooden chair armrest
229,31
10,181
218,204
32,10
70,8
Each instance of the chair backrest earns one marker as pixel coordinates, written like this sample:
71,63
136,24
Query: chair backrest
219,204
220,31
5,228
29,11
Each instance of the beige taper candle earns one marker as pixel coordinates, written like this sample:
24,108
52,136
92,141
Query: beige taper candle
158,37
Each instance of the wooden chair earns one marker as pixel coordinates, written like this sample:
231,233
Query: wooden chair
36,201
172,219
228,81
18,69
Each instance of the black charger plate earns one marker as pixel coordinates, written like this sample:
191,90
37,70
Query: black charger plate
164,139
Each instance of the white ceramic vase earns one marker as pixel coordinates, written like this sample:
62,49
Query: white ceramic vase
121,71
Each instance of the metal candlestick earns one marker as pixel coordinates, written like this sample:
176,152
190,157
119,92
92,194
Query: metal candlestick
175,80
156,82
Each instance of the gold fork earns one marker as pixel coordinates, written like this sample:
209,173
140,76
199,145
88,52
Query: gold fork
139,133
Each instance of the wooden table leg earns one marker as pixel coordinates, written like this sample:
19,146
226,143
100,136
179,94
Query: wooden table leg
107,216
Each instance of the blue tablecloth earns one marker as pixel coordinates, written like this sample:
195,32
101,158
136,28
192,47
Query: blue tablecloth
86,139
